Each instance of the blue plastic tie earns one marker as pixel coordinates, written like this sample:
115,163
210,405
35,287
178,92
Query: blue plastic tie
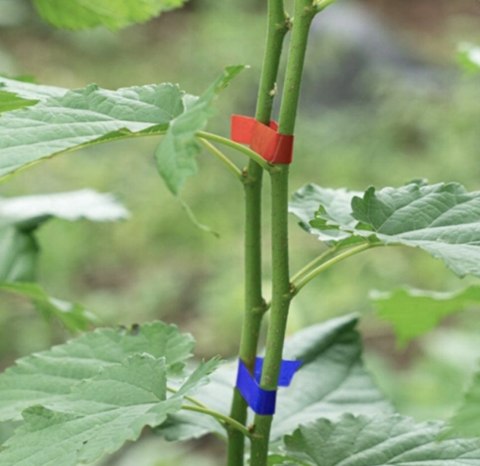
263,401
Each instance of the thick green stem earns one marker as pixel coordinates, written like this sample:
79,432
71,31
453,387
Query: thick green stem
254,303
304,14
281,297
281,293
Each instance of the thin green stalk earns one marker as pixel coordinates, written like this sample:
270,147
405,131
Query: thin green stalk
236,146
312,264
299,283
223,158
228,421
281,294
255,306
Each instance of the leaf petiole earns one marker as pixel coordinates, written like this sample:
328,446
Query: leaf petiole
236,146
226,420
302,280
223,158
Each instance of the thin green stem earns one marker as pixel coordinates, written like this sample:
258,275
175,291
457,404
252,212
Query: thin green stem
228,421
258,159
312,264
299,283
254,303
188,398
223,158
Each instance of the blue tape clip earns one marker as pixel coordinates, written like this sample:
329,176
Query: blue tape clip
260,400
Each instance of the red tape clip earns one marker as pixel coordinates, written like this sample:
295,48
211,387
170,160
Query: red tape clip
264,140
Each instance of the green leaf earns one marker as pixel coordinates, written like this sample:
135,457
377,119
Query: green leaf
329,207
28,90
20,216
466,421
114,14
379,441
73,316
18,255
10,101
84,117
47,378
469,57
442,219
177,151
331,381
414,312
99,414
26,212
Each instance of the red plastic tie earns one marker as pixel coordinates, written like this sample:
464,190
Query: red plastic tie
265,140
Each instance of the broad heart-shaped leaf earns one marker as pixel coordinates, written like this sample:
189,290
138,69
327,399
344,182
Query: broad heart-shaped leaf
47,378
83,117
177,151
414,312
442,219
100,414
331,381
73,316
114,14
376,441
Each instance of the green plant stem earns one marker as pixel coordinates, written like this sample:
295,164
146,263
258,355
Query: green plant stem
281,294
300,282
281,297
232,423
223,158
311,265
236,146
255,306
304,14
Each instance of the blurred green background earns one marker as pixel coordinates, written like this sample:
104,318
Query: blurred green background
384,102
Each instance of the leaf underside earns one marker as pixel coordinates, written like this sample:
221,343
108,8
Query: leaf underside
380,441
442,219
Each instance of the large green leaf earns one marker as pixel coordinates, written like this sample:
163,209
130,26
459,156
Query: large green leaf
414,312
379,441
99,415
72,315
81,118
178,149
442,219
331,381
114,14
47,378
